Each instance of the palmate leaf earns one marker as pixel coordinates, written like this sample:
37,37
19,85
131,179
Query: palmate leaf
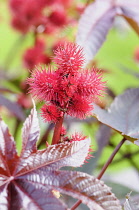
7,149
94,193
30,134
97,20
94,26
122,115
130,9
29,181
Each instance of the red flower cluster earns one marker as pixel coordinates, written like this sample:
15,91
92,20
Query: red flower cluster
35,55
68,89
29,14
26,13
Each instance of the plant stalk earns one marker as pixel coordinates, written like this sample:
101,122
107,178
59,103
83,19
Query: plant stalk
104,168
57,131
111,158
76,205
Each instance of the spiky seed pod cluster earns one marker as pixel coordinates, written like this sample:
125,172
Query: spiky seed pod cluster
69,89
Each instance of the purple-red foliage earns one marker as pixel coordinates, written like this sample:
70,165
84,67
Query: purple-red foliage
30,180
35,172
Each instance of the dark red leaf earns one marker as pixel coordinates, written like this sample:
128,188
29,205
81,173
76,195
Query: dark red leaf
30,181
122,115
55,156
93,192
3,197
7,148
97,20
94,25
30,134
130,9
36,195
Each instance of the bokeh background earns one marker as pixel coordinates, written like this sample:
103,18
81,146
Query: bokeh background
25,44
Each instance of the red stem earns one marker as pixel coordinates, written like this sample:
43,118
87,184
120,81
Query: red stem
57,131
76,205
104,168
111,158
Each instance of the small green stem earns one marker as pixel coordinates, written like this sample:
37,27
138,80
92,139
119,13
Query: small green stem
57,131
111,158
